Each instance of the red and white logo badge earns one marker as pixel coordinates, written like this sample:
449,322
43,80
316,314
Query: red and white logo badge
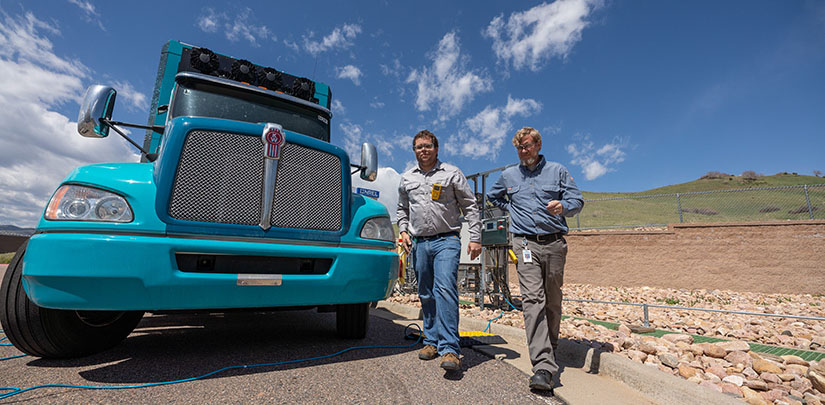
274,138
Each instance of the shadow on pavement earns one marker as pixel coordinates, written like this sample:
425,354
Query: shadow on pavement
180,346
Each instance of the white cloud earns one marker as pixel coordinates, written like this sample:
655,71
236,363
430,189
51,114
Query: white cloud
355,135
89,12
40,146
448,84
490,128
349,72
387,185
377,104
209,22
338,107
340,38
393,69
529,38
241,26
136,101
597,162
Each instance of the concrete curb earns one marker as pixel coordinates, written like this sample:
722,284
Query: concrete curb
649,381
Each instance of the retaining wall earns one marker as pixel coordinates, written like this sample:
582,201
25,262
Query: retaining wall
785,257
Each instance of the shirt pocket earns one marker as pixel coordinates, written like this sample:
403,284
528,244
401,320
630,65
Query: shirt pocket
517,195
415,190
447,194
549,193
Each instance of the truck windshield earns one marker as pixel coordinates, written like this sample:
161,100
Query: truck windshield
202,99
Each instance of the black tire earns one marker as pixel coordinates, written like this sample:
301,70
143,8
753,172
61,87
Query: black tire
352,320
55,333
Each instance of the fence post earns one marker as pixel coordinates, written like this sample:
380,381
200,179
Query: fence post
578,226
808,200
679,205
646,324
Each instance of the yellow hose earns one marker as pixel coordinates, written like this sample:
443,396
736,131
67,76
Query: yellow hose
512,256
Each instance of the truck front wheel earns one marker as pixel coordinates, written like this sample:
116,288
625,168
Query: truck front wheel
56,333
352,320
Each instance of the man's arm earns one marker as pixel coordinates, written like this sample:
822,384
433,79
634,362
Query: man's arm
469,206
571,197
402,214
498,194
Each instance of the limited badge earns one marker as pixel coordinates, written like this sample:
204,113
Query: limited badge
274,138
528,256
436,191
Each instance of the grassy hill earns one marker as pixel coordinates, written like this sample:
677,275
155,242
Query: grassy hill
650,208
726,182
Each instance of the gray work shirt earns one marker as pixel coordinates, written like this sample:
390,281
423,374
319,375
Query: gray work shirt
525,194
421,215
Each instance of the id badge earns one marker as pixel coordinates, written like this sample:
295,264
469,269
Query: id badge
436,191
528,256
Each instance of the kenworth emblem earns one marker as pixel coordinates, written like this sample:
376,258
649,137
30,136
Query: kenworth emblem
273,137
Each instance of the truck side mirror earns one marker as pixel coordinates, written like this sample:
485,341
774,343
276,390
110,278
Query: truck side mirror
369,162
98,103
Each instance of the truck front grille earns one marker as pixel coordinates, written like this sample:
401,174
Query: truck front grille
220,178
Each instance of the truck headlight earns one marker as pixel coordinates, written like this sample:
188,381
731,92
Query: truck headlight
80,203
378,228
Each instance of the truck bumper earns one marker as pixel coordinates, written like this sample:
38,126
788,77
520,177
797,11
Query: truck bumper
139,272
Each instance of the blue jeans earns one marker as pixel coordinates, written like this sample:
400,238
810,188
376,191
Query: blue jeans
436,266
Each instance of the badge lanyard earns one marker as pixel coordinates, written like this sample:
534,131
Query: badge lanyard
527,256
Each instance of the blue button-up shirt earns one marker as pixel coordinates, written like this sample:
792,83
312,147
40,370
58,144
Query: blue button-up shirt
525,194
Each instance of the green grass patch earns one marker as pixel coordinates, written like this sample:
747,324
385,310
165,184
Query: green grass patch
5,258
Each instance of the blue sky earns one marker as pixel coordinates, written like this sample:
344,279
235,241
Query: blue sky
628,95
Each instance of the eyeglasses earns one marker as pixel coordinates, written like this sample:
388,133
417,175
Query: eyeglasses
421,146
525,146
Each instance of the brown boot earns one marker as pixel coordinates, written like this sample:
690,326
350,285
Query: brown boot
429,352
450,361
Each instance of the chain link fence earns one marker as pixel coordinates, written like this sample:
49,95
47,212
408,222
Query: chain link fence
784,203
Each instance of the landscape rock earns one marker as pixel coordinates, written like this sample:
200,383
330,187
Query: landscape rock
712,350
752,397
766,366
669,360
739,357
676,338
734,345
780,379
729,388
735,380
686,371
758,385
817,380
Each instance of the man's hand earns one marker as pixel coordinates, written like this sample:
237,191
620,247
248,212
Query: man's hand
554,207
474,249
406,242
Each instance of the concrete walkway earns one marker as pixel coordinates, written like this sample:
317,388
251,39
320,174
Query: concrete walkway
587,376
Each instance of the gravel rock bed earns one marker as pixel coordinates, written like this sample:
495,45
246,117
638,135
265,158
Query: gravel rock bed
728,367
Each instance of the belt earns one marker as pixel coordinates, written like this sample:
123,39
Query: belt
545,238
440,235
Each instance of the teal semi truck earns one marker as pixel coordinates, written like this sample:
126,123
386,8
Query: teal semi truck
239,201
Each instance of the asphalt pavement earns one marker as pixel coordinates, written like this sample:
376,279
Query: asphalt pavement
183,346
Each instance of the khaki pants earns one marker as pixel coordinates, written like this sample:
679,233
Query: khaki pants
541,283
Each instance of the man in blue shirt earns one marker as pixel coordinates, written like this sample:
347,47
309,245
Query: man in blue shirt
538,194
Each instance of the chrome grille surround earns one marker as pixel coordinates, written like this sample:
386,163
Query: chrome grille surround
220,179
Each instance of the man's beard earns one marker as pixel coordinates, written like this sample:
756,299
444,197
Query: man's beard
529,161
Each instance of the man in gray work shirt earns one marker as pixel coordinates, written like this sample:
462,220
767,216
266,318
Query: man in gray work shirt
429,198
538,194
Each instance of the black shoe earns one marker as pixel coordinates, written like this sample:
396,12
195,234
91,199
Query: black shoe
542,380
